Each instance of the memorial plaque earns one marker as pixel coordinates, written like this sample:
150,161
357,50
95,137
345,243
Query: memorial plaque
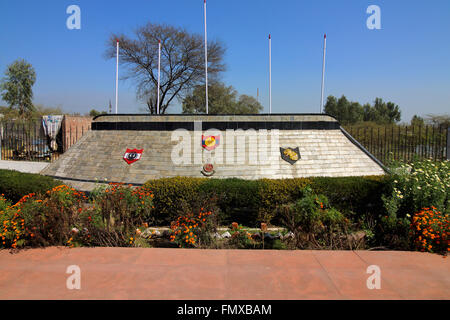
132,155
290,155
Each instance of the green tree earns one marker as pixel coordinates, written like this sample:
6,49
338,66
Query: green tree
16,87
94,113
349,112
383,112
346,112
417,121
222,99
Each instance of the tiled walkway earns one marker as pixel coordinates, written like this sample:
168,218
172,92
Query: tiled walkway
134,273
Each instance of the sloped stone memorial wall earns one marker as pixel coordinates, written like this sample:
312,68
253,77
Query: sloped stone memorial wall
135,148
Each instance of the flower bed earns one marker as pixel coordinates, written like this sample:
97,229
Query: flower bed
390,212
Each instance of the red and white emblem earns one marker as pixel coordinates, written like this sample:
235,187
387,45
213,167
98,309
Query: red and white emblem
132,155
208,169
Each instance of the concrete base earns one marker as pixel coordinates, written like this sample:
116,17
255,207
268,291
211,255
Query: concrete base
24,166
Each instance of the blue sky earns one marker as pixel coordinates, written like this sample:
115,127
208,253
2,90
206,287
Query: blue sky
406,62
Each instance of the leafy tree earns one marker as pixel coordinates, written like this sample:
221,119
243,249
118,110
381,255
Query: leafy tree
346,112
94,113
383,112
349,112
247,105
182,62
16,87
417,121
222,99
41,110
38,111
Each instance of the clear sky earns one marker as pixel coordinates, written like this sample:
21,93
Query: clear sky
407,61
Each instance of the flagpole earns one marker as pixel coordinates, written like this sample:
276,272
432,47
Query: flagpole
270,74
206,62
159,73
323,71
117,73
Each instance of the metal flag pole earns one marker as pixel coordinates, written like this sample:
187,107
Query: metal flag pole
270,74
117,73
206,62
323,71
159,73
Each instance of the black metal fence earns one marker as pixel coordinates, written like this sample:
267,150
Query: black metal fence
26,140
404,143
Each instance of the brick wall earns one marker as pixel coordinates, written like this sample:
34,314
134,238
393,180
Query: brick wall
73,128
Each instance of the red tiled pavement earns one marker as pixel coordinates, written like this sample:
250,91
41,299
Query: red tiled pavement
135,273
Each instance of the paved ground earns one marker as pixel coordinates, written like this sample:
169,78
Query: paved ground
23,166
134,273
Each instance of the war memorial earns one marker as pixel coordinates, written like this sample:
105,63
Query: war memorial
132,149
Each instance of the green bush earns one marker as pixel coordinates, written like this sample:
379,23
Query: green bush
314,223
276,192
14,184
251,202
412,187
394,233
359,195
418,185
44,219
236,199
119,202
172,196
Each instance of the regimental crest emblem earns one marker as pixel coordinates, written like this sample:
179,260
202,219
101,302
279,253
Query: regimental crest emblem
208,169
290,155
210,142
132,155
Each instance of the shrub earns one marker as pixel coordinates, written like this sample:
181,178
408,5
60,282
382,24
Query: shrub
314,223
119,202
253,201
61,216
41,220
359,195
192,230
114,213
311,211
235,199
418,185
276,192
4,203
14,185
172,196
394,233
241,239
431,230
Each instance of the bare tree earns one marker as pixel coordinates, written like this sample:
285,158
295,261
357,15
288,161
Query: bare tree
182,62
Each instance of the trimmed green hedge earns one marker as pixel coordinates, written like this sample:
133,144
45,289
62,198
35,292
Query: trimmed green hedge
14,184
357,194
250,202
